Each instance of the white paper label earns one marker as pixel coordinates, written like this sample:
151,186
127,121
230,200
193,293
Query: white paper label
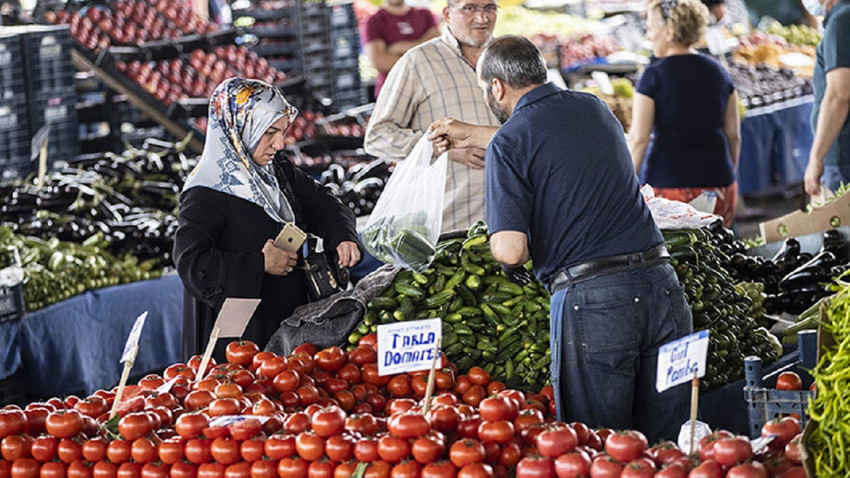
407,346
234,316
166,387
226,420
677,360
133,338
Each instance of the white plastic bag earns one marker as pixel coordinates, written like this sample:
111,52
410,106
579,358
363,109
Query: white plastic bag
670,214
405,223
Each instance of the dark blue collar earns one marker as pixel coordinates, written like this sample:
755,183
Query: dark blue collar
536,94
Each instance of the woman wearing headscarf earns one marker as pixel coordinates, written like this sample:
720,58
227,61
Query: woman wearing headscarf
686,101
233,205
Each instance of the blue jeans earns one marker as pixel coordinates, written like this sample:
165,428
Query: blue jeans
604,335
834,175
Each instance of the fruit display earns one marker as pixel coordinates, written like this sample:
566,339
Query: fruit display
719,307
518,20
175,79
620,102
762,85
795,34
328,413
773,51
828,409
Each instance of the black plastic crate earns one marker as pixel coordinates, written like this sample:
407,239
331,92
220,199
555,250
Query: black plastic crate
14,114
344,47
47,56
14,147
16,170
316,62
346,64
12,82
341,15
53,107
346,80
275,49
11,303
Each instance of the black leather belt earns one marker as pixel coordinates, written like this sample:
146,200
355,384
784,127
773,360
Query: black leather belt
586,270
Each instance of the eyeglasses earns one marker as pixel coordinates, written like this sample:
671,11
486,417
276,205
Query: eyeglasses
472,9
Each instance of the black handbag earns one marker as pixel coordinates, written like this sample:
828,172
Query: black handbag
322,273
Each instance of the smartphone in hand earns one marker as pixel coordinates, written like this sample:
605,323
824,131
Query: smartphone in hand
290,238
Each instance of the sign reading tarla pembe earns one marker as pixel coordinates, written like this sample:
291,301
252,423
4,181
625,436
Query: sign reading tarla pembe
407,346
679,359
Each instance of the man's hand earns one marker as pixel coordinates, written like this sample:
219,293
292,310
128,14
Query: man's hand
472,157
812,177
349,254
517,275
449,133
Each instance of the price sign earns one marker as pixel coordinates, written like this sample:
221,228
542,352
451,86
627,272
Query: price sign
226,420
407,346
133,338
678,360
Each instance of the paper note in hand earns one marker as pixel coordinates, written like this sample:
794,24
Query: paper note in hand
133,338
234,316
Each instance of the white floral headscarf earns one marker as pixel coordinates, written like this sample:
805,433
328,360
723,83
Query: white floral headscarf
241,110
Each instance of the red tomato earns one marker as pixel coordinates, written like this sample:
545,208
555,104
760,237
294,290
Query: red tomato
794,472
603,466
369,373
364,424
286,380
476,470
362,355
535,466
399,386
468,426
279,446
135,425
79,469
69,450
36,415
377,401
706,443
393,449
707,469
224,406
241,352
665,452
528,417
118,451
25,468
672,470
309,446
478,376
92,406
572,464
328,421
104,469
211,470
624,446
63,423
500,432
789,380
225,451
495,408
731,451
155,470
171,451
750,470
444,418
245,429
426,450
556,440
792,450
350,372
474,395
241,469
465,452
197,451
13,421
307,394
439,469
190,425
408,424
292,467
264,469
639,468
366,450
339,448
44,448
53,470
16,446
783,429
330,359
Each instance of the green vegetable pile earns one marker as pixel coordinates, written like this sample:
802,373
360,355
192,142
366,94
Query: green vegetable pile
403,241
488,321
56,270
728,312
830,406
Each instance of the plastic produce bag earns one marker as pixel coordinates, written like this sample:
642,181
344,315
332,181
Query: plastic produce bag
670,214
405,224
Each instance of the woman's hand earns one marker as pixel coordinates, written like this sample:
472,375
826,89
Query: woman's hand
277,261
349,254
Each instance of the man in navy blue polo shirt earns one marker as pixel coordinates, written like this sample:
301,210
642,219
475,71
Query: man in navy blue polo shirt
560,188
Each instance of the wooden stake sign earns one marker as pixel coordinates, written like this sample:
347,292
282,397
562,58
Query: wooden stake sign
231,322
128,357
429,390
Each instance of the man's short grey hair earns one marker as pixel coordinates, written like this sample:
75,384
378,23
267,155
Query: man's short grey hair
514,60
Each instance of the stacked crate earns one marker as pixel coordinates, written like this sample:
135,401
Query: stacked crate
348,92
52,93
14,122
315,48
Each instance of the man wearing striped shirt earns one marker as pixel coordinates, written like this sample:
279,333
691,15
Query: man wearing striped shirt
436,80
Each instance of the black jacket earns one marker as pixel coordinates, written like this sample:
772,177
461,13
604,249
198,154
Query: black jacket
218,252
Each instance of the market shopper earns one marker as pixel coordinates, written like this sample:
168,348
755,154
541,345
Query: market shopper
435,80
560,189
687,103
395,28
234,204
829,158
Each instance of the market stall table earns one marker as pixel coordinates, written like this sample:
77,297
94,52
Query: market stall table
775,138
74,346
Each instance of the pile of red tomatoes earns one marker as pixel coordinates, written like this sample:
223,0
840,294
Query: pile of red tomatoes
322,414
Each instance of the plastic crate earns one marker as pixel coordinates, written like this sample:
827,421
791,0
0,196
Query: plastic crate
12,82
11,303
47,56
346,80
765,404
341,15
344,47
15,170
12,390
14,148
14,114
53,107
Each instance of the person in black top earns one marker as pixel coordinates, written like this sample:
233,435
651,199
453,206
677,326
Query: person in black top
235,203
